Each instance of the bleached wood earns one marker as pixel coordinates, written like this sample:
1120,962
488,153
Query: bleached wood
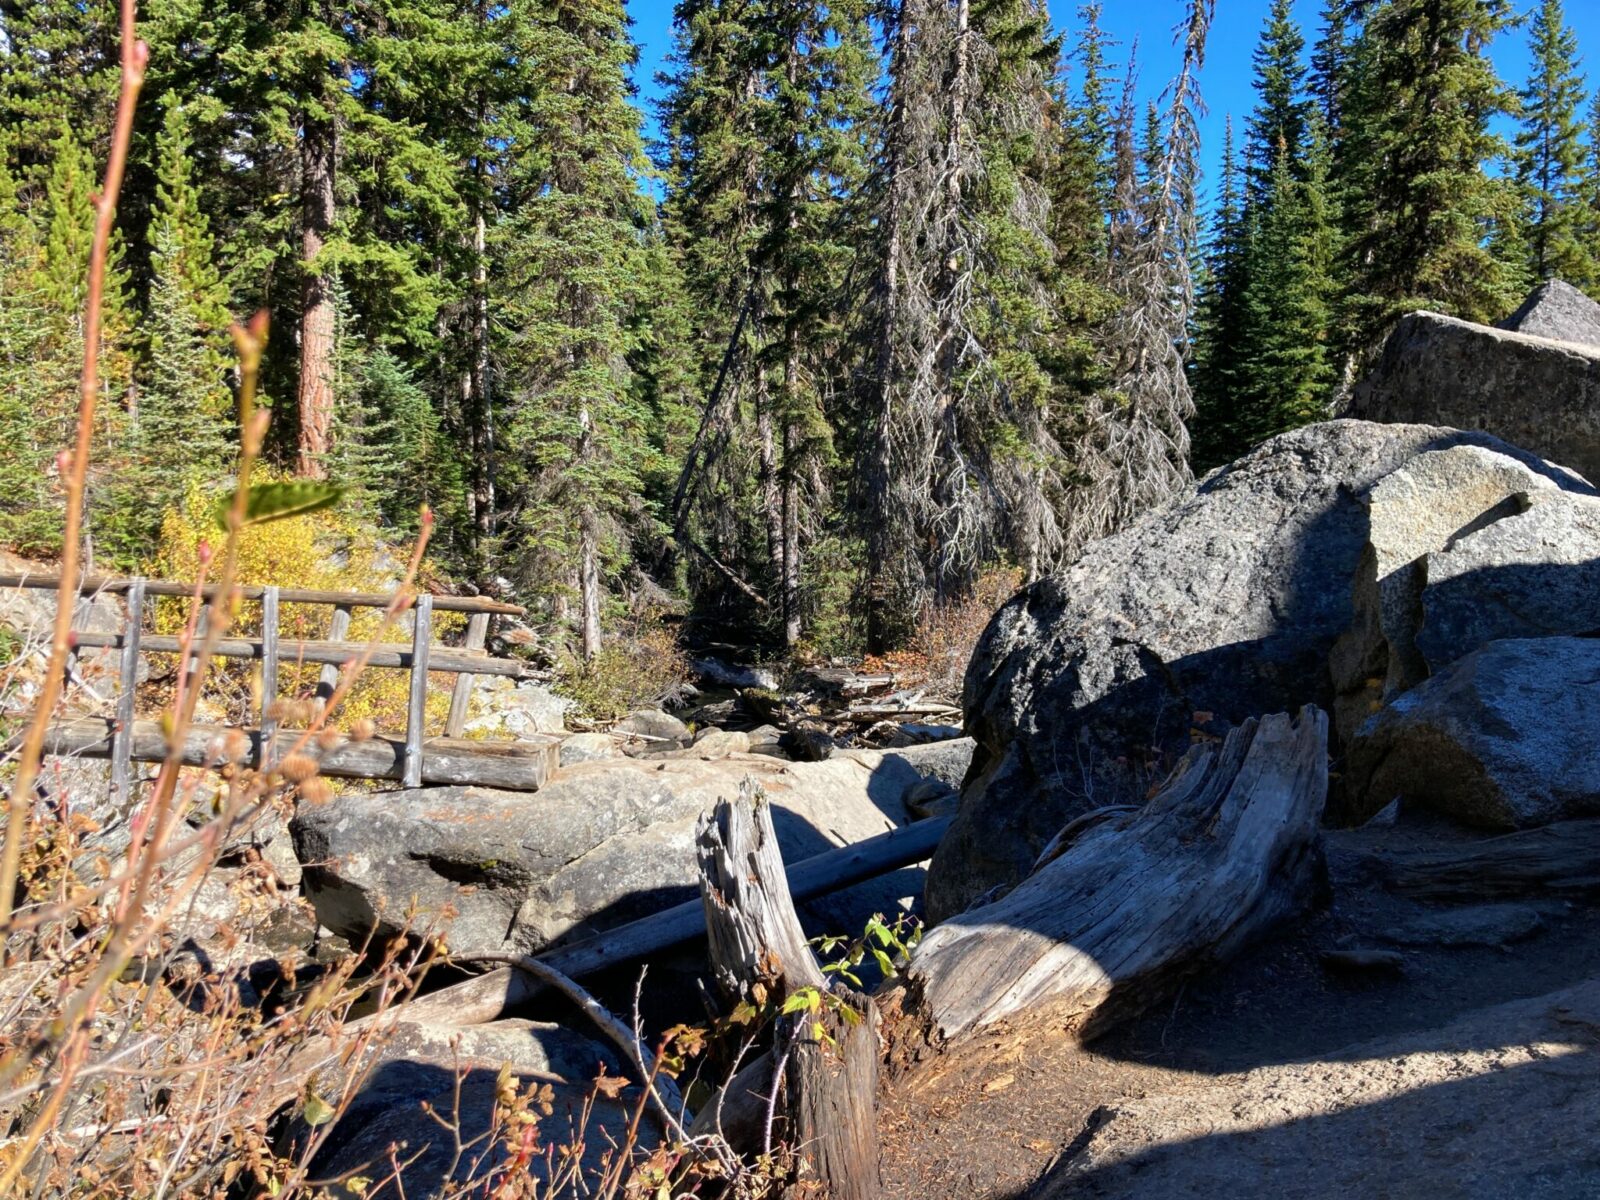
477,634
1229,849
338,653
828,1057
122,740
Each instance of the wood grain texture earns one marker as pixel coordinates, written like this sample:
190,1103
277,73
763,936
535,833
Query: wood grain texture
1131,903
827,1059
515,766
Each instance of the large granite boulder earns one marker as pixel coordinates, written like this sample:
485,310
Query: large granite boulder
601,844
457,1072
1502,738
1558,311
1226,602
1422,508
1533,573
1538,394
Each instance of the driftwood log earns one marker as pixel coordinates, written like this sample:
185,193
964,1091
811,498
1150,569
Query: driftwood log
821,1077
1119,909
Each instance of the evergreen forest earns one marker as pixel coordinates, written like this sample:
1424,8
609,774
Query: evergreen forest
905,292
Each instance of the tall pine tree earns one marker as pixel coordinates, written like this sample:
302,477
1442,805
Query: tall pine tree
1550,151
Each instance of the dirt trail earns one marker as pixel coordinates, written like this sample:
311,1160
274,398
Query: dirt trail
1470,1073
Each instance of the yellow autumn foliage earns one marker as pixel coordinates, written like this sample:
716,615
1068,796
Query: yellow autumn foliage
326,550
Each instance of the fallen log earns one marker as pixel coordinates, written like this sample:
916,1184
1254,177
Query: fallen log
1117,913
1561,859
494,994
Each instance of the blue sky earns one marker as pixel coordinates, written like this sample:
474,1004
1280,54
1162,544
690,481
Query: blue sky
1226,79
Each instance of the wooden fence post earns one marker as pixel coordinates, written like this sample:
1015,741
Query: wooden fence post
338,630
477,635
269,669
127,684
422,634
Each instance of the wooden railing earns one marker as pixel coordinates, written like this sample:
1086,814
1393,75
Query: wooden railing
413,760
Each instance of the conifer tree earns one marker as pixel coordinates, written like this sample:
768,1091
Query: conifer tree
1218,372
573,261
1550,150
1287,377
1277,126
1418,203
177,433
1132,448
964,457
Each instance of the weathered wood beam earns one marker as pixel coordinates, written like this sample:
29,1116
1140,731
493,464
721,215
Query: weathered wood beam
461,697
516,766
159,587
339,653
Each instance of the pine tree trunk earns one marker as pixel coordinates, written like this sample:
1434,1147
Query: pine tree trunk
771,489
791,515
482,407
318,157
588,555
589,582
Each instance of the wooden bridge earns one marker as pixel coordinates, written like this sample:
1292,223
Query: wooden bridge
411,758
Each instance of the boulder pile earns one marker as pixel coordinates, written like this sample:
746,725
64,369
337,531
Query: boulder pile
1335,565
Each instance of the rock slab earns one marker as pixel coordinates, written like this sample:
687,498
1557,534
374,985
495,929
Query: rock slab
1558,311
603,843
1501,739
1541,395
455,1071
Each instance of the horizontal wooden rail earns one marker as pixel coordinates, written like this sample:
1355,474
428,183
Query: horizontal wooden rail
292,651
155,587
516,766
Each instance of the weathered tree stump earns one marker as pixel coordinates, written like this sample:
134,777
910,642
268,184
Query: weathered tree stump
824,1063
1118,910
1122,906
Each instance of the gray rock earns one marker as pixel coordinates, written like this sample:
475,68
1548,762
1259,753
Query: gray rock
1541,395
1227,601
1535,573
1473,925
719,743
1502,738
524,710
732,675
1425,505
1557,310
653,723
601,844
421,1064
588,747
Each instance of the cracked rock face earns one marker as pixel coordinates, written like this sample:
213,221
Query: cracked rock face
1427,506
1226,602
601,844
